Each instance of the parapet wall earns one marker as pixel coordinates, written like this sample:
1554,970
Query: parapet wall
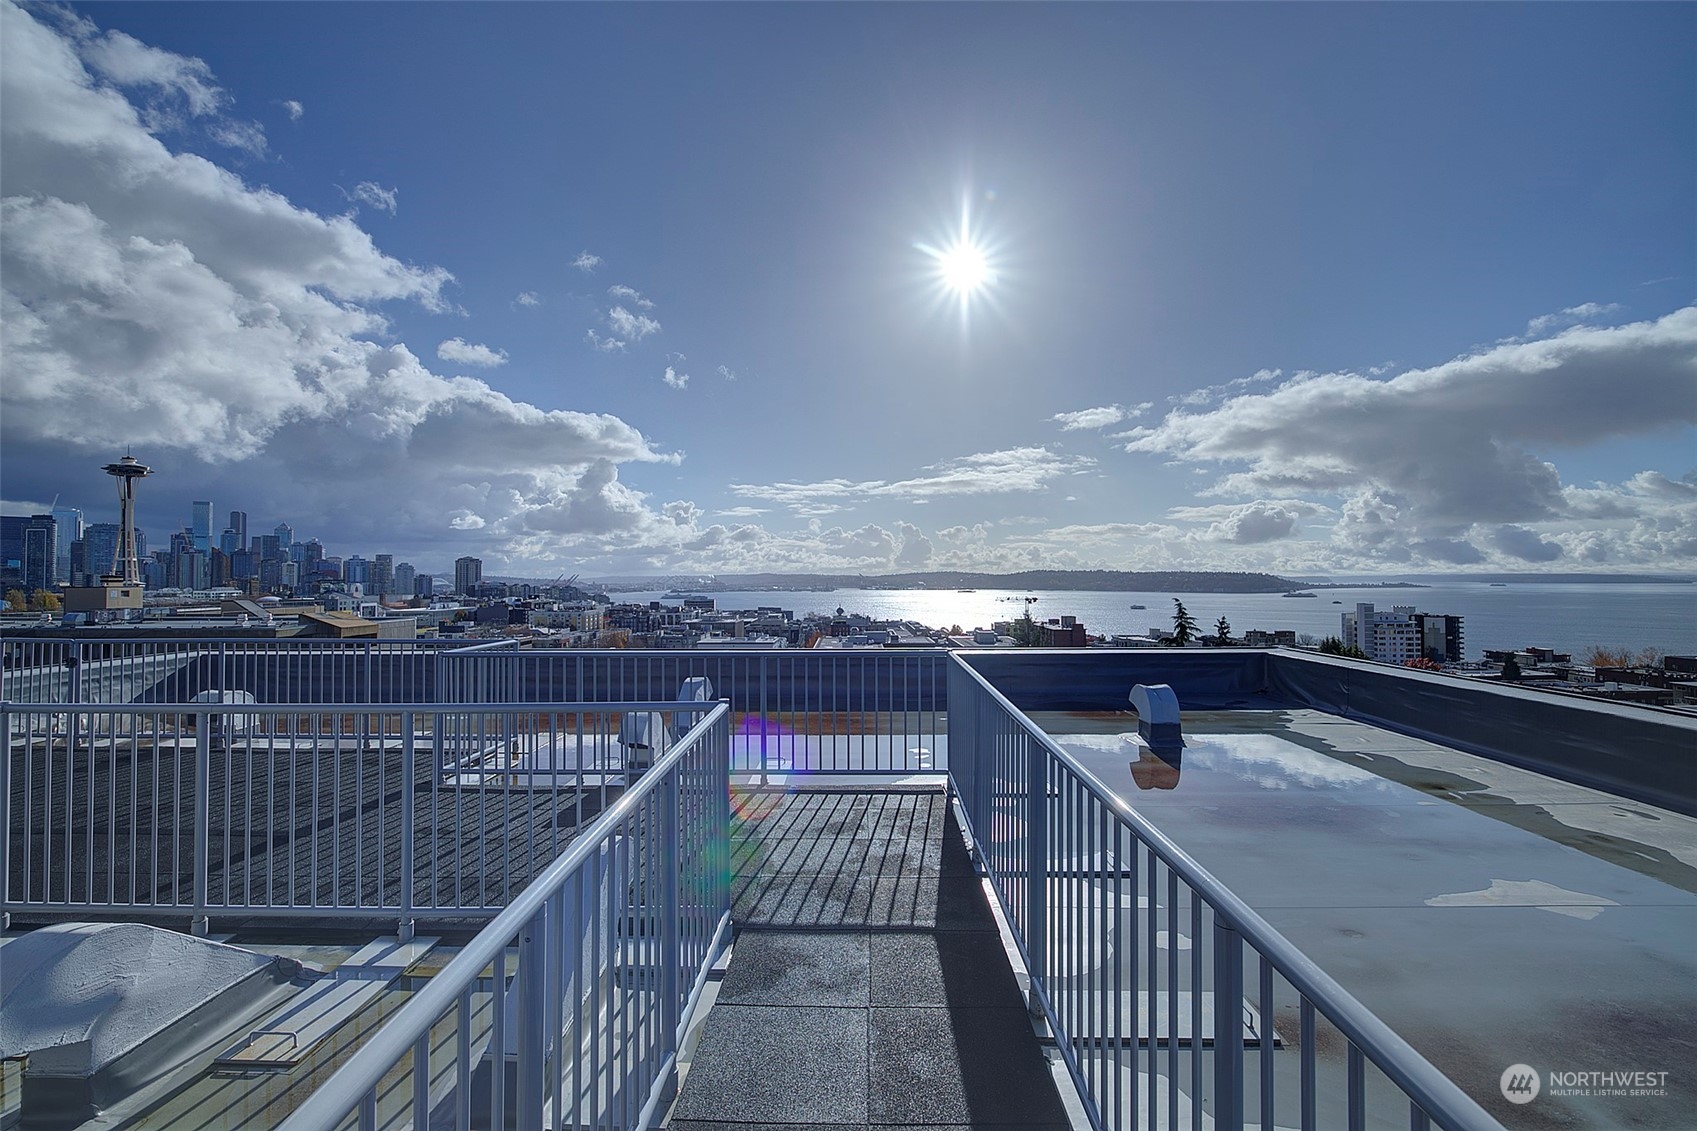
1641,753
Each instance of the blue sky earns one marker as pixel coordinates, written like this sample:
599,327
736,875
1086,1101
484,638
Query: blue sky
633,288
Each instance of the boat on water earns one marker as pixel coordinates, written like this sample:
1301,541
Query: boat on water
1299,594
1139,606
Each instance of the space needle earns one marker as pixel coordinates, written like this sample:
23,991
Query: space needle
125,569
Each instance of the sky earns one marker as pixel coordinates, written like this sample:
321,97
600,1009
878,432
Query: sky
628,288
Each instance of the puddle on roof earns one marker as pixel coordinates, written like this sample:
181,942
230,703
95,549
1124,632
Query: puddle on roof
1268,770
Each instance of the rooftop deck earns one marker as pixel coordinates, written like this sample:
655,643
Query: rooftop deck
935,876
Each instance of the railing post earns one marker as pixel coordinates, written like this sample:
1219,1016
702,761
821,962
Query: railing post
202,818
1036,865
409,780
1228,1025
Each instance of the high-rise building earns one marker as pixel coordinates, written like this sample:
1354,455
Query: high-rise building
424,585
356,570
285,536
405,578
70,531
12,544
40,552
229,541
1403,634
1441,637
266,548
382,575
100,550
468,574
200,515
238,523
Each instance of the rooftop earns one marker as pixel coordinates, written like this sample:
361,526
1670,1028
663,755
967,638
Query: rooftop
1414,911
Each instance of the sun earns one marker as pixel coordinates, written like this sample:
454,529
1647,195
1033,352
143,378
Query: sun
964,268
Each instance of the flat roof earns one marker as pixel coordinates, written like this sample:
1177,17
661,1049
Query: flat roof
1489,914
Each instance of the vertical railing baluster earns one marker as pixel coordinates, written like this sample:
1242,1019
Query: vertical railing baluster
1357,1089
529,985
1309,1122
1036,867
1266,1036
409,782
202,817
1228,1026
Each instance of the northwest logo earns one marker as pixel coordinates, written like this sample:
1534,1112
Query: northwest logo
1520,1084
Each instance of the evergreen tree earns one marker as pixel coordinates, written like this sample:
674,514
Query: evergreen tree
1511,667
1223,632
1184,625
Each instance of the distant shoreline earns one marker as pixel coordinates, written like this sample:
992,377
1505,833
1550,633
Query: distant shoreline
1060,581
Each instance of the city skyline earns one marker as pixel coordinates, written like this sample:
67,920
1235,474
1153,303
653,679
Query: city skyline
664,290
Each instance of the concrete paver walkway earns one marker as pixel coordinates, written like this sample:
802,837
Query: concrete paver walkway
868,986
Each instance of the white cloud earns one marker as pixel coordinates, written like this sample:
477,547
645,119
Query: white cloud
619,290
294,109
176,90
605,345
586,262
528,298
1573,315
246,136
1209,393
127,62
726,372
1098,417
631,327
462,352
375,195
985,473
1428,462
675,379
1249,524
153,298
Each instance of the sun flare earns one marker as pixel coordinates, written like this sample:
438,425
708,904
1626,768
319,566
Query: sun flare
964,267
962,270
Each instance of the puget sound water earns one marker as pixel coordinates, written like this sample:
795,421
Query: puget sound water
1569,617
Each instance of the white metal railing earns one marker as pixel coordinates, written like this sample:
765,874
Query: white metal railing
1139,958
571,1004
797,710
307,810
466,804
128,669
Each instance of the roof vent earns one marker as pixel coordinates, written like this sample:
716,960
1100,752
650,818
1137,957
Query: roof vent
1158,744
1157,716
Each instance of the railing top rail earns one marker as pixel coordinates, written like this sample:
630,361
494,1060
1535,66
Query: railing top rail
427,708
330,1103
1436,1093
